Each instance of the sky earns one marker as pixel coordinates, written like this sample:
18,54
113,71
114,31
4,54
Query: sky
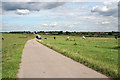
59,16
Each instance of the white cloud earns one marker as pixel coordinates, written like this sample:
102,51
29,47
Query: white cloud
8,7
50,25
66,18
99,8
109,9
45,24
106,22
53,24
32,6
22,11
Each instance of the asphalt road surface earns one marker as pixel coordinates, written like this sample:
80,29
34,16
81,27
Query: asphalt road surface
38,61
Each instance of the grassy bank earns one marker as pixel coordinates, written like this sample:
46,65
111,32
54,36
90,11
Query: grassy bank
12,47
100,54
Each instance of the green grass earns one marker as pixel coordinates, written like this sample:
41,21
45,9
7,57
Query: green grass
0,57
98,53
12,48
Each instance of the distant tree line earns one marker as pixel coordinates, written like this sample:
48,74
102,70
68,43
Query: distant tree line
86,34
19,32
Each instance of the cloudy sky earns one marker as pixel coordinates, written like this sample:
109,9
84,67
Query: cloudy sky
65,16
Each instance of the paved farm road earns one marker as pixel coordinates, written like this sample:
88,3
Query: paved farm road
38,61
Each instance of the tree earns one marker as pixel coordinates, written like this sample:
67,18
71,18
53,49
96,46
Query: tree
61,32
67,33
110,33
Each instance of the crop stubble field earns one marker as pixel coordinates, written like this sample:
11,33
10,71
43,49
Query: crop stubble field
98,53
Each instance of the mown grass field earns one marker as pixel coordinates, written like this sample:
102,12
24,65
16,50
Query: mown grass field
12,48
100,54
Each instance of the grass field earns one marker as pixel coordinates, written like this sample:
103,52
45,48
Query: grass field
100,54
0,57
12,48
